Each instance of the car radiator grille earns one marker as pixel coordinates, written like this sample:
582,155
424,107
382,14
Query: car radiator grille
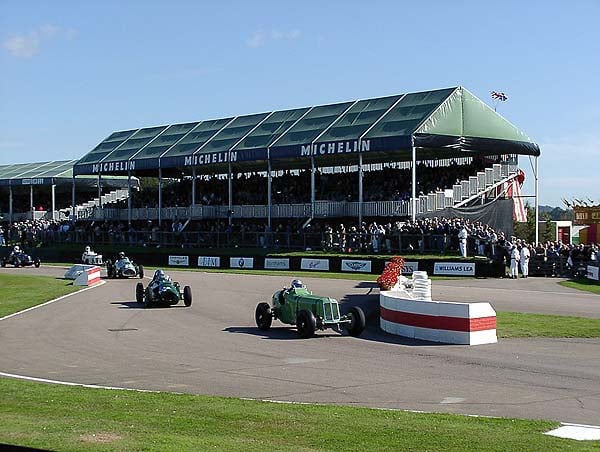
331,311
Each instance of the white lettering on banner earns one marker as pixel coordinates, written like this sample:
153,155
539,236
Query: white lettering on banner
277,264
35,181
338,147
314,264
179,260
356,266
209,261
107,167
205,159
593,273
409,267
241,262
454,268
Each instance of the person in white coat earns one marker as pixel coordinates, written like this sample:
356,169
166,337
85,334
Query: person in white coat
515,257
525,255
462,241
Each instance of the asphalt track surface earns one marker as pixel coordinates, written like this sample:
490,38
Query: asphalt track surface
103,337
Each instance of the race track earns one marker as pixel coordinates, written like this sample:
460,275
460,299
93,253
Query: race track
102,337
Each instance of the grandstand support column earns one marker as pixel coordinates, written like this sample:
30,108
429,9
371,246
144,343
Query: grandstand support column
10,204
99,190
53,189
360,188
31,208
193,187
129,197
73,200
414,180
269,185
159,197
537,206
229,193
312,186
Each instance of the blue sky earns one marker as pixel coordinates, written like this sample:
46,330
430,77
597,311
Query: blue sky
72,72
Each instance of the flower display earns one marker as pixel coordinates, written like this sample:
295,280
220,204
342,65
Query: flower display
390,274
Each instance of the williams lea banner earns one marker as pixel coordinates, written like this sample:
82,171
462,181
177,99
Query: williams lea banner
454,268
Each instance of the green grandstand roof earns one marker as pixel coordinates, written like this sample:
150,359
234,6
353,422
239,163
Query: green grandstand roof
439,123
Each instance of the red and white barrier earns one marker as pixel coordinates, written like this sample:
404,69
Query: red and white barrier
437,321
88,277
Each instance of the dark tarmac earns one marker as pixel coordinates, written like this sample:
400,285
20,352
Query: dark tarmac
103,337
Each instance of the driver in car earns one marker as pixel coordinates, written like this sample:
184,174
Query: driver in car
15,252
159,276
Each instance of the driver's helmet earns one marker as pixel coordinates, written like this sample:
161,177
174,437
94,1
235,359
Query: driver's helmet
87,249
121,255
16,249
297,284
159,274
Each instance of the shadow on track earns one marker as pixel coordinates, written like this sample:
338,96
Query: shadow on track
136,305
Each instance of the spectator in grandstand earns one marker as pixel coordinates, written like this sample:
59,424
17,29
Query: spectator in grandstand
2,242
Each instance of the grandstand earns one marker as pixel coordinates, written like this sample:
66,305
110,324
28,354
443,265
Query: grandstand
400,156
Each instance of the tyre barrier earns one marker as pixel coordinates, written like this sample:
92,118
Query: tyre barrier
437,321
83,275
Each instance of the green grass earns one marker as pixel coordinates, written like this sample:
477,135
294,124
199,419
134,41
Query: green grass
20,292
71,418
516,324
584,284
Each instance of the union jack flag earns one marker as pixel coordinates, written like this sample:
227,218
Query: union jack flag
498,95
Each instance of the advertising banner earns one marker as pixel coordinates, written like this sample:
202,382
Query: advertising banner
209,261
593,273
454,268
314,264
183,261
277,264
410,267
241,262
356,266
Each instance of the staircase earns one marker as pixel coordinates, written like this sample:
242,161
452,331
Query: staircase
85,210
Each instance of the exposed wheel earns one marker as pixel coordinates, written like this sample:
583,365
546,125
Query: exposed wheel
109,269
263,316
147,299
141,271
17,264
187,296
139,292
306,324
37,263
3,263
357,323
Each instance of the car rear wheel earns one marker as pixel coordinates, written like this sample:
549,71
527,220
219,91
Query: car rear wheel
139,292
141,271
37,263
263,316
187,296
357,321
306,324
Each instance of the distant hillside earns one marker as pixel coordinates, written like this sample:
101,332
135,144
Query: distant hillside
556,213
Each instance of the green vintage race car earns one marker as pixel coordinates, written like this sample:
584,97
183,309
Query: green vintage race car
298,306
162,291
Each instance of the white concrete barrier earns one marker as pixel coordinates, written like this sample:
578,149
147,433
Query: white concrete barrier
83,275
437,321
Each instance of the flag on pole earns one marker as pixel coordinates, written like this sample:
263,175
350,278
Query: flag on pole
497,95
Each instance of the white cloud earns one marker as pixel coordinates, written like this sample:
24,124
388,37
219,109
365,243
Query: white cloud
26,45
260,38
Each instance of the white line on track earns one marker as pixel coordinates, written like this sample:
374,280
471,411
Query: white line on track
52,301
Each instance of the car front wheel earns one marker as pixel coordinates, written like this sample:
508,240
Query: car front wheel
139,292
263,316
187,296
357,321
306,324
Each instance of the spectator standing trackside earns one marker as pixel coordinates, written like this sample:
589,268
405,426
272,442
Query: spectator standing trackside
515,257
525,255
462,241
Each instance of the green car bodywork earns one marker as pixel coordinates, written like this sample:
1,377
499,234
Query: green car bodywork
309,312
163,292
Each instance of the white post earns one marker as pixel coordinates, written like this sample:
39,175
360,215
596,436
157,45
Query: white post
360,189
10,204
537,207
414,180
129,197
73,200
312,186
53,201
99,190
269,188
229,192
193,186
31,207
159,196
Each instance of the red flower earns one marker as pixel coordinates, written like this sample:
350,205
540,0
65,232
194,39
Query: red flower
390,274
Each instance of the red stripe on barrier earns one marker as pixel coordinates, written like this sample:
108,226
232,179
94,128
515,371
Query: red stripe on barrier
438,322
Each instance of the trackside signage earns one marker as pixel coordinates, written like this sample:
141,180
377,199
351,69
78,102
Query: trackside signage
179,260
409,267
454,268
593,273
277,264
314,264
241,262
209,261
356,266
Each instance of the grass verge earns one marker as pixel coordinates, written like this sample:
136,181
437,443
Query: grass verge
517,324
20,292
70,418
584,284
